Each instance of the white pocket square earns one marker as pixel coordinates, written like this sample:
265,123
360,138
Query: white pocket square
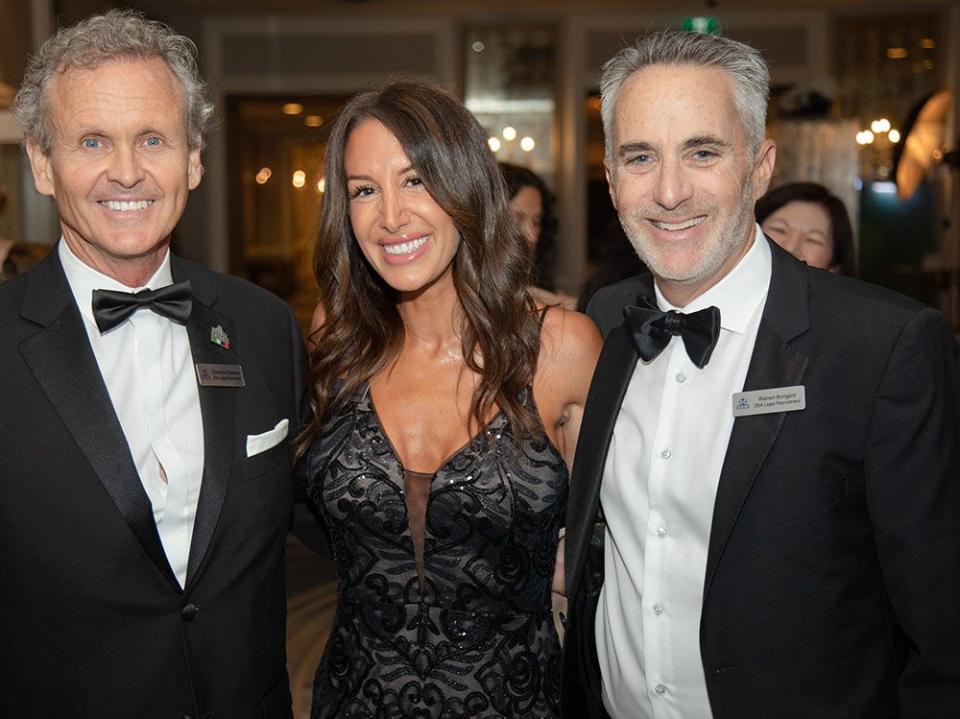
257,443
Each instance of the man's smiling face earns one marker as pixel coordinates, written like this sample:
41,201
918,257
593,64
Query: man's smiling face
682,176
119,166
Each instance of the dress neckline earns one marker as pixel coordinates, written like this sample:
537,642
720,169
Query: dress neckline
485,429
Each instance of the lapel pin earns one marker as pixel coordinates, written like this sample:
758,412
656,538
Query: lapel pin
219,337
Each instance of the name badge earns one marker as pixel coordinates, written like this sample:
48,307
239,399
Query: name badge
767,401
220,375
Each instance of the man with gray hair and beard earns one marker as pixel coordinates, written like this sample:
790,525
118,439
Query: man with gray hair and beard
764,517
146,485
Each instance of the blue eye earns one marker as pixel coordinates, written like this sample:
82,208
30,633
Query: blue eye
91,143
153,142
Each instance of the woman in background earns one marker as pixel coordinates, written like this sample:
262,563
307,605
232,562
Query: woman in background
811,223
446,407
532,203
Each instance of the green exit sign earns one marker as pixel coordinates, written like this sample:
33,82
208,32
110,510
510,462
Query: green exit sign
701,23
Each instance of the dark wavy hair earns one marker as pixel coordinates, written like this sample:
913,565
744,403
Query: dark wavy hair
545,256
844,257
363,331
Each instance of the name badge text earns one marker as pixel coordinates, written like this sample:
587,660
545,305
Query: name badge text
767,401
220,375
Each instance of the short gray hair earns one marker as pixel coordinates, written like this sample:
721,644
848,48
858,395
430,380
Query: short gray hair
745,66
117,34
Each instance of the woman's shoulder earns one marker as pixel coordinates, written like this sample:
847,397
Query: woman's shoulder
545,298
569,347
569,340
565,330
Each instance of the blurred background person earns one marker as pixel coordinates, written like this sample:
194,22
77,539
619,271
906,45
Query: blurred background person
532,204
16,257
811,223
446,409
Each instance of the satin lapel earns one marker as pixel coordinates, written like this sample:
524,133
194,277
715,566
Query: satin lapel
610,381
773,364
63,362
217,408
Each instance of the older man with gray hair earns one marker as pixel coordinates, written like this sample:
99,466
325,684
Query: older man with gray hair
768,471
146,407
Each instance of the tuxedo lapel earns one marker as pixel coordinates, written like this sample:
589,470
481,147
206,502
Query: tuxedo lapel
610,380
217,408
773,364
60,357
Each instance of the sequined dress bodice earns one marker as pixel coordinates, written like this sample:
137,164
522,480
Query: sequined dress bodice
444,605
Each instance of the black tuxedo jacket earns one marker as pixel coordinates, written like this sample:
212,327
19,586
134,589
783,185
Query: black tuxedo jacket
93,621
833,569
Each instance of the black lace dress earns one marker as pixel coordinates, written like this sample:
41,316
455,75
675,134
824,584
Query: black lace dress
443,608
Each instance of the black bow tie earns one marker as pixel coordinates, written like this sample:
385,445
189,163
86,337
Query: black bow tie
174,302
652,329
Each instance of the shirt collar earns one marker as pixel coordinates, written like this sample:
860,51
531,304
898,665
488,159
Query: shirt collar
83,279
739,293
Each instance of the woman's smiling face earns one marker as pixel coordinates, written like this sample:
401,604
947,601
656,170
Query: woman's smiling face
409,240
802,229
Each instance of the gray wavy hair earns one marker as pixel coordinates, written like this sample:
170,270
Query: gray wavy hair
98,39
745,66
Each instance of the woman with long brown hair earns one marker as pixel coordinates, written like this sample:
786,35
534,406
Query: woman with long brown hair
446,407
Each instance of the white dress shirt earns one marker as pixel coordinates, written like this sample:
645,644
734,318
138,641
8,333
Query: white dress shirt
659,485
147,366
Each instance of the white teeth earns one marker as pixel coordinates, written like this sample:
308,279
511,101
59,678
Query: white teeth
125,206
405,248
680,225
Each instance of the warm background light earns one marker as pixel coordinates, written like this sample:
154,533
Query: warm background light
292,108
494,143
299,179
509,133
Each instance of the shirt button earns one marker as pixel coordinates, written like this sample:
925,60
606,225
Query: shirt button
658,609
681,377
660,689
661,532
189,612
666,454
